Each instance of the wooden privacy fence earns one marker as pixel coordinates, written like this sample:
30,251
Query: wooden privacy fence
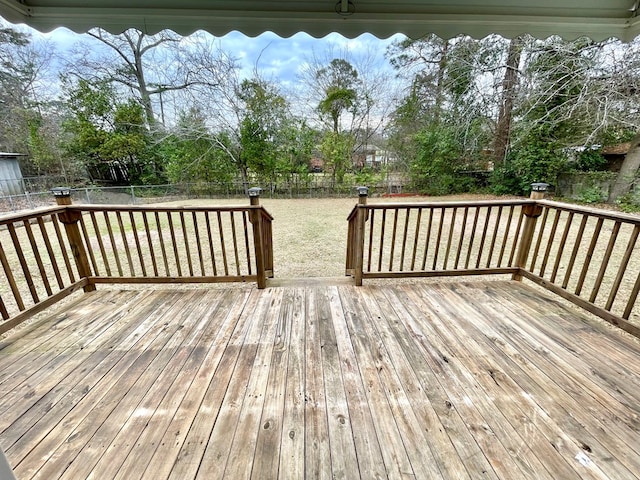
48,254
590,257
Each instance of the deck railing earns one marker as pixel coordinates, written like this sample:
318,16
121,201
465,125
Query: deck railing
48,254
590,257
435,238
38,266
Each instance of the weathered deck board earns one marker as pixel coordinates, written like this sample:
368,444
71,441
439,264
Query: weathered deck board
454,380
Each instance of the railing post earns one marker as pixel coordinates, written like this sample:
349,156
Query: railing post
531,212
361,218
258,239
70,221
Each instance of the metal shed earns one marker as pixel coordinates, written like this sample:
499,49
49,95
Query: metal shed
11,182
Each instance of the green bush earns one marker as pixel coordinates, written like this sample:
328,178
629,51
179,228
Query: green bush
630,202
592,194
535,160
437,167
590,161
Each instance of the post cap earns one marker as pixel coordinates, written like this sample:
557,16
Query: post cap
362,191
254,191
61,191
539,187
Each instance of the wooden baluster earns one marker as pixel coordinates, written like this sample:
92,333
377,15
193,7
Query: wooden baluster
574,252
416,235
393,239
136,238
38,258
211,249
174,243
69,219
483,238
196,230
632,298
246,242
363,192
115,251
63,248
87,242
3,310
516,237
563,241
536,250
17,246
49,248
605,261
404,237
427,239
461,240
163,248
495,236
505,237
623,267
438,239
383,224
371,227
472,237
125,244
11,279
234,237
152,253
222,243
550,239
96,229
185,238
452,224
589,255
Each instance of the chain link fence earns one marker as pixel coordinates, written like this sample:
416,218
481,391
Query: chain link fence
317,186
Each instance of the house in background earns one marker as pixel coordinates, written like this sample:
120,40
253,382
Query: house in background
615,155
372,156
11,181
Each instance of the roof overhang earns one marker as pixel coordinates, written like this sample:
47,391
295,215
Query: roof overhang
597,19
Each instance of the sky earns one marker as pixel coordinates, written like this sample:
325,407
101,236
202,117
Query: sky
277,58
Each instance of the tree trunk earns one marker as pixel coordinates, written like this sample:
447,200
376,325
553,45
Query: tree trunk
442,66
145,96
505,115
628,171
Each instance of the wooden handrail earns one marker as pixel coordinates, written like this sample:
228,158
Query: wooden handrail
420,239
588,256
126,244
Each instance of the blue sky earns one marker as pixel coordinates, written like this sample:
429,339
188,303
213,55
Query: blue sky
283,58
277,58
282,61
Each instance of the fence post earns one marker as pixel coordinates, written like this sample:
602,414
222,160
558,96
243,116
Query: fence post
258,239
70,221
361,218
531,212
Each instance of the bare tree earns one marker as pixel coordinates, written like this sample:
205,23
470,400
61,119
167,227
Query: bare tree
151,65
507,104
339,77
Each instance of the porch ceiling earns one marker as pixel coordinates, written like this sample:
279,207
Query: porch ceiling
597,19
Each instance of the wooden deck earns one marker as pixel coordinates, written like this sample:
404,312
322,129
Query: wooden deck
422,380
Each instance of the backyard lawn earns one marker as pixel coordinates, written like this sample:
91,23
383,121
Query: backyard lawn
310,234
